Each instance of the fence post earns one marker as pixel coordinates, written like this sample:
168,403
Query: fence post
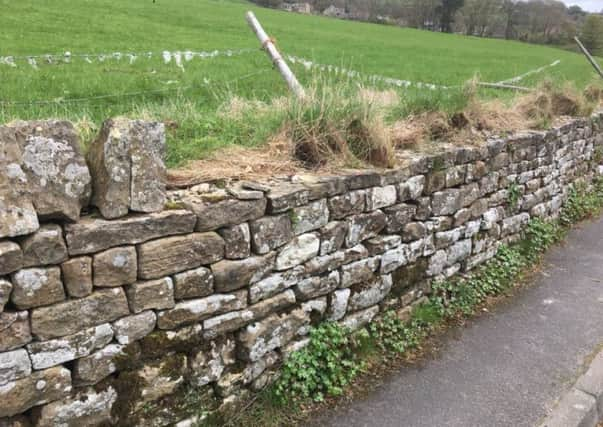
589,57
275,56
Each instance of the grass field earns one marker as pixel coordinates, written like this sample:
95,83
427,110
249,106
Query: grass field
191,98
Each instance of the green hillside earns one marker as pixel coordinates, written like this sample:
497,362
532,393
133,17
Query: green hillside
191,97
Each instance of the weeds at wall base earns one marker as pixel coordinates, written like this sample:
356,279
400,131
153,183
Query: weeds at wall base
335,357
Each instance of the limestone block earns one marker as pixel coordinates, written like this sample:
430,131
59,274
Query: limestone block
370,293
224,323
115,267
232,275
310,217
152,294
316,286
208,365
284,196
14,365
45,246
364,226
6,288
133,328
212,215
299,250
339,304
196,310
36,389
270,232
14,330
332,236
274,284
395,258
351,203
34,287
446,202
411,189
398,216
359,319
359,271
126,162
380,197
380,244
99,365
273,304
11,257
94,235
71,316
237,241
45,354
169,255
193,283
77,276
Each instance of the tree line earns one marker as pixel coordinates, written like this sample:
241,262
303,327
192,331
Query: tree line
535,21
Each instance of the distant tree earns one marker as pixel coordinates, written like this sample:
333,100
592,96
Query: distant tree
447,12
509,12
478,17
592,34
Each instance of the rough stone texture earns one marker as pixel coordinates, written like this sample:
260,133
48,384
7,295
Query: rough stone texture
94,235
225,323
132,328
5,289
274,284
411,189
317,286
332,237
296,252
126,162
231,275
72,316
45,246
57,175
310,217
14,330
192,311
398,216
237,241
34,287
77,276
357,320
159,380
94,368
364,226
115,267
14,365
270,232
87,407
208,365
153,294
193,283
347,204
339,304
11,257
380,197
359,271
370,294
170,255
54,352
212,216
38,388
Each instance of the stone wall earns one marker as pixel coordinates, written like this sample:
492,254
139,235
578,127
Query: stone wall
140,318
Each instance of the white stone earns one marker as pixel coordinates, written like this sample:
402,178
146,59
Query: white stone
14,365
339,304
380,197
132,328
299,250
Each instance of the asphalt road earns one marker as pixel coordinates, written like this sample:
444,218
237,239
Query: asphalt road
506,368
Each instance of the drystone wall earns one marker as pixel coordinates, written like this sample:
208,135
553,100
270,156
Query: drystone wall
154,303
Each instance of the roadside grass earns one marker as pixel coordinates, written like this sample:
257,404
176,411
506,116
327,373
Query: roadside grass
189,100
336,359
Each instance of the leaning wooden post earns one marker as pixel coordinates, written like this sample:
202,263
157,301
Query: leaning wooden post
589,56
275,56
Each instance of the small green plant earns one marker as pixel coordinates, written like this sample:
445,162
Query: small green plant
513,196
391,333
324,367
582,202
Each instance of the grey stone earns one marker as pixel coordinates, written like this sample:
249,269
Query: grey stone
274,284
158,379
355,179
398,216
434,181
71,316
338,304
260,338
359,319
77,276
437,263
224,323
170,255
208,365
115,267
456,175
14,330
514,224
285,196
193,283
237,241
133,328
461,217
5,289
332,237
273,304
155,294
414,231
491,217
45,246
270,232
11,257
212,215
380,197
370,293
196,310
322,264
54,352
254,369
87,407
351,203
94,235
34,287
126,162
311,217
446,202
444,239
364,226
358,272
317,286
299,250
94,368
57,175
378,245
232,275
459,251
411,189
36,389
14,365
576,409
395,258
424,210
